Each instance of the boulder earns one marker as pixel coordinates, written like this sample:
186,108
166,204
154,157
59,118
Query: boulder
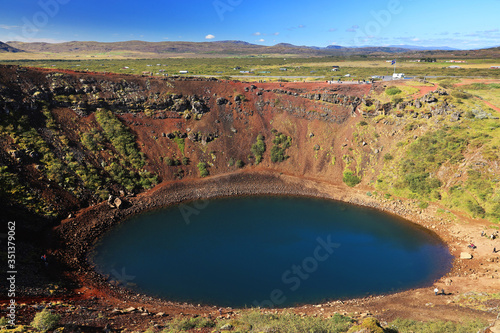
118,203
115,202
111,200
129,310
221,101
429,98
465,255
455,116
226,327
496,327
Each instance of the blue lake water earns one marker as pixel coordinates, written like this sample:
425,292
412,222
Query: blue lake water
269,251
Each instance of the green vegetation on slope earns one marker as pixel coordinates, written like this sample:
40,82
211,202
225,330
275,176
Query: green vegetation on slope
255,321
59,161
258,148
453,162
120,137
126,169
202,168
281,144
350,178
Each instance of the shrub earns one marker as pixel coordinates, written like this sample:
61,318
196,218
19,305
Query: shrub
421,183
368,325
240,164
388,157
278,154
180,143
477,184
460,94
495,211
45,320
258,148
363,123
202,168
475,209
391,91
191,323
185,161
281,144
351,179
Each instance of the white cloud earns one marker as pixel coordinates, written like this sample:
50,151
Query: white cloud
15,38
209,37
8,27
276,33
262,40
354,28
301,26
257,34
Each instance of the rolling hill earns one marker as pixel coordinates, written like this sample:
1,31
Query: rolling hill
142,49
7,48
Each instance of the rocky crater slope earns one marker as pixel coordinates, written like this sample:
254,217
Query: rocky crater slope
70,140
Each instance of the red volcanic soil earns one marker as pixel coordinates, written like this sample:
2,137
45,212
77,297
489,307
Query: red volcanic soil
424,90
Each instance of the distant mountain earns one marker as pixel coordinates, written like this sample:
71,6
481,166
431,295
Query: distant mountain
425,48
236,42
140,46
7,48
141,49
334,47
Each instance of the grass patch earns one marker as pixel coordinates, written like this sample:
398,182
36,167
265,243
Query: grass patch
413,326
254,321
350,178
391,91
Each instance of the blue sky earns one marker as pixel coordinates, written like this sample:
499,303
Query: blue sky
459,24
